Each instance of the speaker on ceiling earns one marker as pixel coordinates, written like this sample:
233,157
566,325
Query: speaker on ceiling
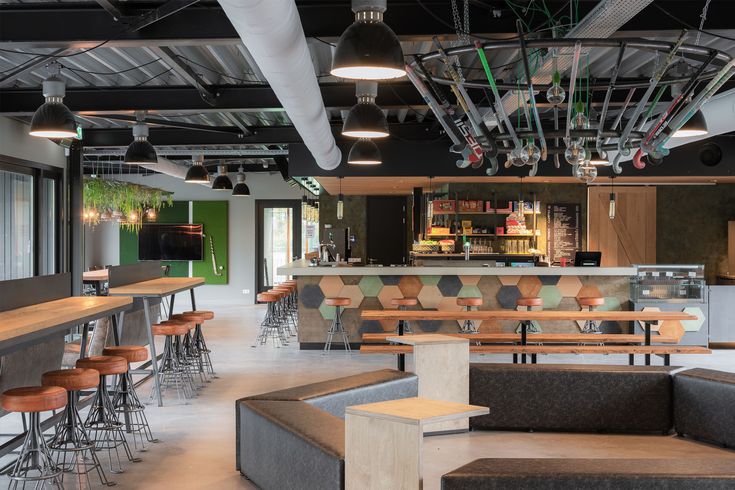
710,154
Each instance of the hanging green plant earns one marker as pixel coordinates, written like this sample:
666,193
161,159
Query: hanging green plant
124,202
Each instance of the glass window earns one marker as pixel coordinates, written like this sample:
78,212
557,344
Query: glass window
277,242
48,231
16,225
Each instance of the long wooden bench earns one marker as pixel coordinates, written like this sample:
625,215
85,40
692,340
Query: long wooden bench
559,338
661,350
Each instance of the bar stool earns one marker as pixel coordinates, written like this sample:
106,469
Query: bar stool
171,371
527,326
402,303
285,311
70,439
336,327
34,463
468,326
271,326
590,326
189,356
200,344
105,427
125,400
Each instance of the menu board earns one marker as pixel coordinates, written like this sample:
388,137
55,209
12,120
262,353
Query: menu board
563,233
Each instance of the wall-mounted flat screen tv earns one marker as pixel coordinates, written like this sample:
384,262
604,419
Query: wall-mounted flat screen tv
157,241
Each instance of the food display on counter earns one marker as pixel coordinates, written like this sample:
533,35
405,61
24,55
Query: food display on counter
515,224
446,246
426,246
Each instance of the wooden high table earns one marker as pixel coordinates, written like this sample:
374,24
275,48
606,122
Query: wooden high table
158,288
648,318
383,441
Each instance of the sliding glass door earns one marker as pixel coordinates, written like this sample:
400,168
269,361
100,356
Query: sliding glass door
279,239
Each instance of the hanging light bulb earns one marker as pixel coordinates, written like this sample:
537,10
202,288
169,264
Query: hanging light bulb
241,189
340,202
151,214
580,121
197,173
585,172
222,182
611,207
555,94
365,119
533,154
53,119
574,154
140,151
518,157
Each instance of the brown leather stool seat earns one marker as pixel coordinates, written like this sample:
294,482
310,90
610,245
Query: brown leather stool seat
33,399
469,301
131,353
106,365
404,301
338,301
190,317
72,379
267,298
530,301
591,301
171,328
208,315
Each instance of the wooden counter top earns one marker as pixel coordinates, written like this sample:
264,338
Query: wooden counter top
162,286
546,315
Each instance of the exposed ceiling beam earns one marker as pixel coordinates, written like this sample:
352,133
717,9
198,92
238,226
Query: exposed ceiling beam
31,64
187,73
49,25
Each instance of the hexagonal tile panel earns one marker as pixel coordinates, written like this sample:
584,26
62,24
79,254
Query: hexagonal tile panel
354,293
410,286
509,280
449,285
507,296
672,328
490,326
331,286
529,286
370,285
551,296
549,280
612,303
311,296
469,291
569,286
449,303
430,297
589,291
387,294
469,280
693,325
430,280
654,326
390,280
327,312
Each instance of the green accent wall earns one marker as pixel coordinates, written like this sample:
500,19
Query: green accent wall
213,215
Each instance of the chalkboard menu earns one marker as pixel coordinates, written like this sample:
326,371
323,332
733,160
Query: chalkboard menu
563,233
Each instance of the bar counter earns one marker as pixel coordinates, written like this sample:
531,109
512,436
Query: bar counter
438,287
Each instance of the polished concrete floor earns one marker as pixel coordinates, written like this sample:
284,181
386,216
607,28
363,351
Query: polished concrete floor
197,439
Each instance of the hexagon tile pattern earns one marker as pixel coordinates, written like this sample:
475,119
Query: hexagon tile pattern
449,285
370,285
311,296
507,296
655,326
390,280
529,286
430,280
354,293
673,328
549,280
551,296
387,294
326,311
410,286
331,286
470,280
430,297
469,291
569,286
693,325
509,280
589,291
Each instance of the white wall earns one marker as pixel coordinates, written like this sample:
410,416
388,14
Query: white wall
15,142
242,234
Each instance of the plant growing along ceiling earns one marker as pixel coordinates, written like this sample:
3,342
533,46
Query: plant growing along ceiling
124,202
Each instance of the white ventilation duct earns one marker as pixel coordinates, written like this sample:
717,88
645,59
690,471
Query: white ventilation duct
272,32
166,166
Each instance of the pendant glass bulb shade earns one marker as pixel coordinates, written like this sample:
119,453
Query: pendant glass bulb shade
197,173
556,94
518,157
364,152
532,152
695,126
574,154
611,207
340,207
585,172
368,49
241,188
365,120
140,151
222,182
53,119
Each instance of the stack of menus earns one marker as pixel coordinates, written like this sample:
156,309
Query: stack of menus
563,232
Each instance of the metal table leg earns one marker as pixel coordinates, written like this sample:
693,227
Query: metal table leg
524,332
193,301
648,341
171,305
152,347
83,341
401,357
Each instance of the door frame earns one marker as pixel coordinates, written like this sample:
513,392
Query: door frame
260,206
404,235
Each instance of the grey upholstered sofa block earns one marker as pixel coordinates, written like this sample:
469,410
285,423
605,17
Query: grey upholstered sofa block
294,438
704,405
572,397
585,474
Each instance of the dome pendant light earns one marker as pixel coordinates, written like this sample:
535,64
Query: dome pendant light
364,152
695,126
222,182
368,49
197,173
365,119
340,202
140,151
241,189
53,119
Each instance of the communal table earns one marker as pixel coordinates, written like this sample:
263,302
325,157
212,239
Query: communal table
96,278
157,288
383,441
648,318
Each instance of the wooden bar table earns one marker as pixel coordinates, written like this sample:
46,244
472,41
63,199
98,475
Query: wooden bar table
96,278
383,441
442,364
648,318
157,288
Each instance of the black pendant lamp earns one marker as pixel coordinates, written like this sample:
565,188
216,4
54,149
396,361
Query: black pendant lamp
241,189
53,119
197,173
695,126
364,152
365,119
368,49
140,151
222,182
